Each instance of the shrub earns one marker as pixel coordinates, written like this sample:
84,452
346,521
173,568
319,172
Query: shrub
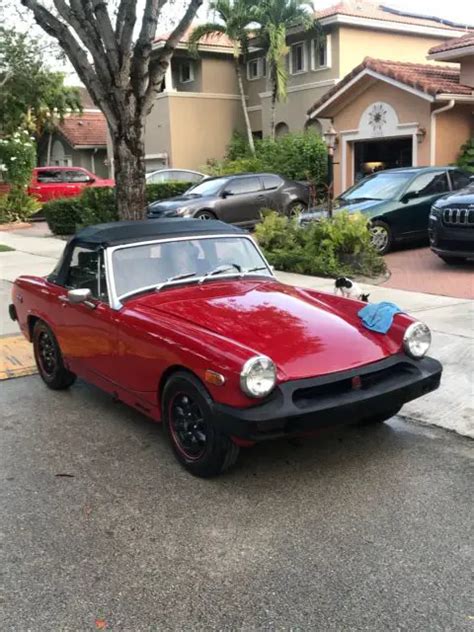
96,205
18,155
330,247
299,156
466,156
17,205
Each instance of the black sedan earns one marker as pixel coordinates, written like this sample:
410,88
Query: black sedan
236,199
451,227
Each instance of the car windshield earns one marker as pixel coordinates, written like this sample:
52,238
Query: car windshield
208,187
381,186
149,266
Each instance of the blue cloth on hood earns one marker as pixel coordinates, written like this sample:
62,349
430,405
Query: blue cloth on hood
378,316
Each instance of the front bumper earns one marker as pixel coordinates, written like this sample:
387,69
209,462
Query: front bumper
339,398
451,241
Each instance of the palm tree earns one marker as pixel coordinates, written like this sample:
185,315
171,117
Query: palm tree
234,18
275,17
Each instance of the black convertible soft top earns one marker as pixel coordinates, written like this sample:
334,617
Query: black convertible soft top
117,233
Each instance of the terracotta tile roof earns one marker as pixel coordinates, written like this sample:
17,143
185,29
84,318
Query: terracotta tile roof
376,11
214,39
84,129
453,44
428,78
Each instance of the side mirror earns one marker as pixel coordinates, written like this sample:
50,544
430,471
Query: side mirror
471,178
82,295
227,194
411,195
90,181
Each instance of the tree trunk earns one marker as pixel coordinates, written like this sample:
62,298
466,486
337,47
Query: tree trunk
129,167
248,127
273,115
48,153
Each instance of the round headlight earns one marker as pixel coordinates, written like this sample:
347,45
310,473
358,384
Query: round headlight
417,340
258,376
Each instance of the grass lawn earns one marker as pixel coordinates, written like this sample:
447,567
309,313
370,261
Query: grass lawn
5,248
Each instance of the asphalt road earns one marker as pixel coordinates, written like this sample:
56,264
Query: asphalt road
361,529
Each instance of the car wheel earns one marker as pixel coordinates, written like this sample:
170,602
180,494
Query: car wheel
381,236
49,359
295,209
205,215
196,440
452,261
380,418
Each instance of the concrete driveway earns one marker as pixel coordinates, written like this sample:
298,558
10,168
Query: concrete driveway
362,529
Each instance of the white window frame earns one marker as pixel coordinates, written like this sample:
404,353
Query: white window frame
191,71
327,43
304,46
261,68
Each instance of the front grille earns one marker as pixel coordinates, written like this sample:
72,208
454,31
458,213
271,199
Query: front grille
459,217
304,397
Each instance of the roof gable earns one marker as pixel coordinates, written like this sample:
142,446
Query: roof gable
84,130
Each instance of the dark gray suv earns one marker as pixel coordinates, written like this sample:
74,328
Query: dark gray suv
235,199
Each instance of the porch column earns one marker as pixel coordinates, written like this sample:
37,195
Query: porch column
169,86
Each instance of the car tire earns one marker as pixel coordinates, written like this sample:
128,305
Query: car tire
205,215
295,209
49,359
381,236
197,442
380,418
452,261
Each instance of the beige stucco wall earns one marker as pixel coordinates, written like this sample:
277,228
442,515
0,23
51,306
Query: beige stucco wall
467,71
218,75
453,129
357,43
201,128
157,128
409,108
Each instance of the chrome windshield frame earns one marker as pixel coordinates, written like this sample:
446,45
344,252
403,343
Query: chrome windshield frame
116,301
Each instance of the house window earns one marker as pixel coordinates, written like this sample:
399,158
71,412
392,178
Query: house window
256,68
298,58
186,72
322,53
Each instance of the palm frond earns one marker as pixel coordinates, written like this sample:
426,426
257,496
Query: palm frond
201,31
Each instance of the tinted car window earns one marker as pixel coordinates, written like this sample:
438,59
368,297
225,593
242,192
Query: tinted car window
87,270
271,182
49,176
382,186
75,176
208,187
459,179
243,185
429,184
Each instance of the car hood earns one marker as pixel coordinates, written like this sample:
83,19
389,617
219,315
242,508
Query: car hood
367,207
303,335
462,197
178,202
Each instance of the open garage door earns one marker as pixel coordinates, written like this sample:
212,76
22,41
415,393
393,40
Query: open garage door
375,155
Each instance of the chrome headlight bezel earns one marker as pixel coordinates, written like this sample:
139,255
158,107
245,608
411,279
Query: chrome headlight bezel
250,372
417,340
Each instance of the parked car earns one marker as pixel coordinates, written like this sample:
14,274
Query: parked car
451,226
186,322
48,183
174,175
397,201
235,199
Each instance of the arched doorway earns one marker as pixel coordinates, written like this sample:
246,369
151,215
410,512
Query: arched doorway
313,126
281,129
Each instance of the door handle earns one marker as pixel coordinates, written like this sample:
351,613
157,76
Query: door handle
64,300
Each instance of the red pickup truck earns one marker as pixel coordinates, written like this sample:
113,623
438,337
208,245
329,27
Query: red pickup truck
49,183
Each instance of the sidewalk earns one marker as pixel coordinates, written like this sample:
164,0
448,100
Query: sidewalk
450,319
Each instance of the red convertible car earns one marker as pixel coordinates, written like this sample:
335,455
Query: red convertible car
185,321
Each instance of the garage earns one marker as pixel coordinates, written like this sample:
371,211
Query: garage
375,155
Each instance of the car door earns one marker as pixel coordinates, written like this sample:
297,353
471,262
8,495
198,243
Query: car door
47,185
87,332
459,179
74,181
241,200
416,202
272,185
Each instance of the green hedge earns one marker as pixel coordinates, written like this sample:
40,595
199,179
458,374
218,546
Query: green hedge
330,247
97,205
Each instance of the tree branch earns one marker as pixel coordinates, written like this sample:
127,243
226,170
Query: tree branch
106,31
144,46
126,19
76,54
158,66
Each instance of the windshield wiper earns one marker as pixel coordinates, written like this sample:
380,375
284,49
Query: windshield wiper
256,269
177,277
360,199
220,270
